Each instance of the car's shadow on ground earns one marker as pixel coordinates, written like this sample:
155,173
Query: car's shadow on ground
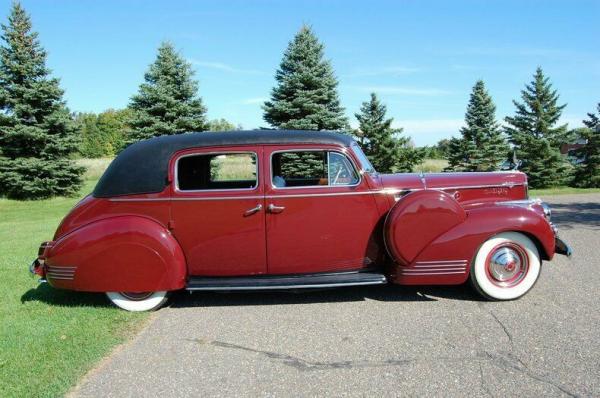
388,293
182,299
65,298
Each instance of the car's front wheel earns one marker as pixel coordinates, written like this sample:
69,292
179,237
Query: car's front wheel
146,301
506,266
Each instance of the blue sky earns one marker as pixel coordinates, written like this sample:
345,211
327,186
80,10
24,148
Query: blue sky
421,57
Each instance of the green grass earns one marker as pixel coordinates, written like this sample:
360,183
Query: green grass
94,167
561,191
48,338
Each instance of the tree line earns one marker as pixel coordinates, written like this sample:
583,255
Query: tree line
39,137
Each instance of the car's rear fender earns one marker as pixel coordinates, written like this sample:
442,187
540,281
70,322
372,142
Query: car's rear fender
122,253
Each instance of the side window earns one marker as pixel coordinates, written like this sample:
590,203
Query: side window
341,171
217,171
312,168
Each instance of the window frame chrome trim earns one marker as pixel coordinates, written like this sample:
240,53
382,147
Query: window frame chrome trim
343,152
176,188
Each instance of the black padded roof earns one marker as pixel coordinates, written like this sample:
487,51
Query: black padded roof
143,167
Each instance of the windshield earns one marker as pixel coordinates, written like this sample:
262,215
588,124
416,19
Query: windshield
367,167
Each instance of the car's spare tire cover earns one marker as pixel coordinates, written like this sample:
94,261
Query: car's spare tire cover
416,220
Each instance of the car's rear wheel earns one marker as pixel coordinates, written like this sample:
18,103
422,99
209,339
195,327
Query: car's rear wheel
506,266
144,301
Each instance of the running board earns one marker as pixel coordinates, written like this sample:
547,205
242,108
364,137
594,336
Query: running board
278,282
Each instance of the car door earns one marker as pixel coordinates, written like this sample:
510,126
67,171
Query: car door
218,210
321,215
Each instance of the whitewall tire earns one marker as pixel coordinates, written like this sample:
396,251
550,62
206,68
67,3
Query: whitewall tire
506,266
148,301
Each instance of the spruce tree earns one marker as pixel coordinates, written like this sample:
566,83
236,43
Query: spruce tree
587,173
383,145
535,135
482,147
36,130
167,102
305,96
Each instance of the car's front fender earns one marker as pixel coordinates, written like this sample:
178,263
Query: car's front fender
463,240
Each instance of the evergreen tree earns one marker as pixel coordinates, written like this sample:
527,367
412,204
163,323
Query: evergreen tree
534,133
482,147
383,145
587,173
305,96
36,131
167,102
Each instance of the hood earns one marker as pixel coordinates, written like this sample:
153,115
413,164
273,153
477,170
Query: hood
466,187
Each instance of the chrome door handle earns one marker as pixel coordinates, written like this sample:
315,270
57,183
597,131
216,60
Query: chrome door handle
253,210
275,209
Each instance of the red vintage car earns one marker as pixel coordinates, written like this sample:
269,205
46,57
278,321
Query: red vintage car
250,210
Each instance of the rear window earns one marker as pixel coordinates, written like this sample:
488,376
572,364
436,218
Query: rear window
217,171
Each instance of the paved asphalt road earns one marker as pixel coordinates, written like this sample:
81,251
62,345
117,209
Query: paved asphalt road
378,341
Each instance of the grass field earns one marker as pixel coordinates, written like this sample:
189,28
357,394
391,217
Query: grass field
48,338
431,166
561,191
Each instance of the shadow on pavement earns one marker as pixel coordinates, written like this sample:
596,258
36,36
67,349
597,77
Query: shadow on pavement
181,299
390,293
64,298
573,215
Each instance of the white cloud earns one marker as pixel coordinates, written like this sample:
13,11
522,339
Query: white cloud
426,92
224,67
255,100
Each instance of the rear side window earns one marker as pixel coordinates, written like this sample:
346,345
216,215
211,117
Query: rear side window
312,168
217,171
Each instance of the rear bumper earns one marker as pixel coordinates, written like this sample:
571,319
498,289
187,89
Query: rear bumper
561,247
37,268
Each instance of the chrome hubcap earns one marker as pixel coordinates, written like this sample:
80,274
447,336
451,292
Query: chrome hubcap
507,266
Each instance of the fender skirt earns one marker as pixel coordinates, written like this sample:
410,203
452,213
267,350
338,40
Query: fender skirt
124,253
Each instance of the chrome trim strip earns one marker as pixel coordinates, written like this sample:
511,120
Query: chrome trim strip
59,277
503,185
432,273
438,266
412,270
385,191
284,287
441,262
307,195
184,198
64,273
318,194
